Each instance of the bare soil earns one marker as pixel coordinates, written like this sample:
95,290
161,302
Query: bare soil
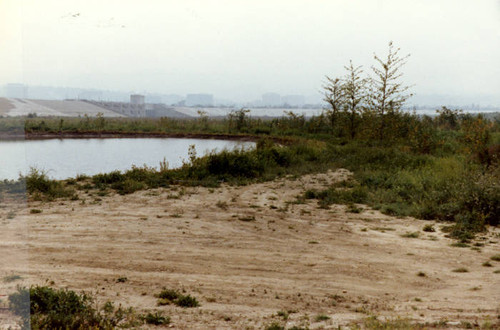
247,253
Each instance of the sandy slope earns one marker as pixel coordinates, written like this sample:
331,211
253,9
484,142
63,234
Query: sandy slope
296,258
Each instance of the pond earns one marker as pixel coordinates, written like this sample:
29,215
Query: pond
65,158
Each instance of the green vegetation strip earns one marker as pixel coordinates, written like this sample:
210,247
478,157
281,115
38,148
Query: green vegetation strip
440,168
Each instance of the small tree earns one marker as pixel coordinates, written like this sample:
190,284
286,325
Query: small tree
387,94
333,95
239,118
354,89
203,118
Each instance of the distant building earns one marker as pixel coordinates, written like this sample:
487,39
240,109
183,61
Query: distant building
199,100
135,108
271,99
294,100
16,91
137,99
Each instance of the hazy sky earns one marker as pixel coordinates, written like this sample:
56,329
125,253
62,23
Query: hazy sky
240,49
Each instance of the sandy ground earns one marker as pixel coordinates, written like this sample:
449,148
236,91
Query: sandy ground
293,257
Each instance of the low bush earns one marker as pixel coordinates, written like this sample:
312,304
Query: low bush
43,307
168,296
37,182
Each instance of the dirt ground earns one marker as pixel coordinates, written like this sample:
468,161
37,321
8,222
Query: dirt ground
247,253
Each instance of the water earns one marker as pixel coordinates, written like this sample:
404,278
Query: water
65,158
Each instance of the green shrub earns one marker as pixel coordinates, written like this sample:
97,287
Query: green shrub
48,308
156,319
275,326
38,182
128,186
167,296
429,228
186,301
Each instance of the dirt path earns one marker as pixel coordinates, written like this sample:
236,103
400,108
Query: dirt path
247,253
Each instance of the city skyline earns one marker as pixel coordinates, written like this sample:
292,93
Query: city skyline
240,50
268,99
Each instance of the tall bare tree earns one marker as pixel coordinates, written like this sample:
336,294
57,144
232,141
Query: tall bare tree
355,92
333,95
387,93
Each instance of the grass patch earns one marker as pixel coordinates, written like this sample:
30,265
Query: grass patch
274,326
460,270
351,208
222,205
383,229
283,314
247,218
12,278
373,322
321,317
496,257
156,318
415,234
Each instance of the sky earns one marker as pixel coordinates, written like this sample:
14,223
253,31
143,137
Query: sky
240,49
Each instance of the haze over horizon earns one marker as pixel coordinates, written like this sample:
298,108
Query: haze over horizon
242,49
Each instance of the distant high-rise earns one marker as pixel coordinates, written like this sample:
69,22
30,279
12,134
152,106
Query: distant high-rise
294,100
271,99
199,100
137,99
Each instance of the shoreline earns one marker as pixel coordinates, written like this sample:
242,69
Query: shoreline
119,135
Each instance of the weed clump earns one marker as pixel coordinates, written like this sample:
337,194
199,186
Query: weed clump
321,317
275,326
156,318
496,257
460,270
11,278
429,228
411,235
169,296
